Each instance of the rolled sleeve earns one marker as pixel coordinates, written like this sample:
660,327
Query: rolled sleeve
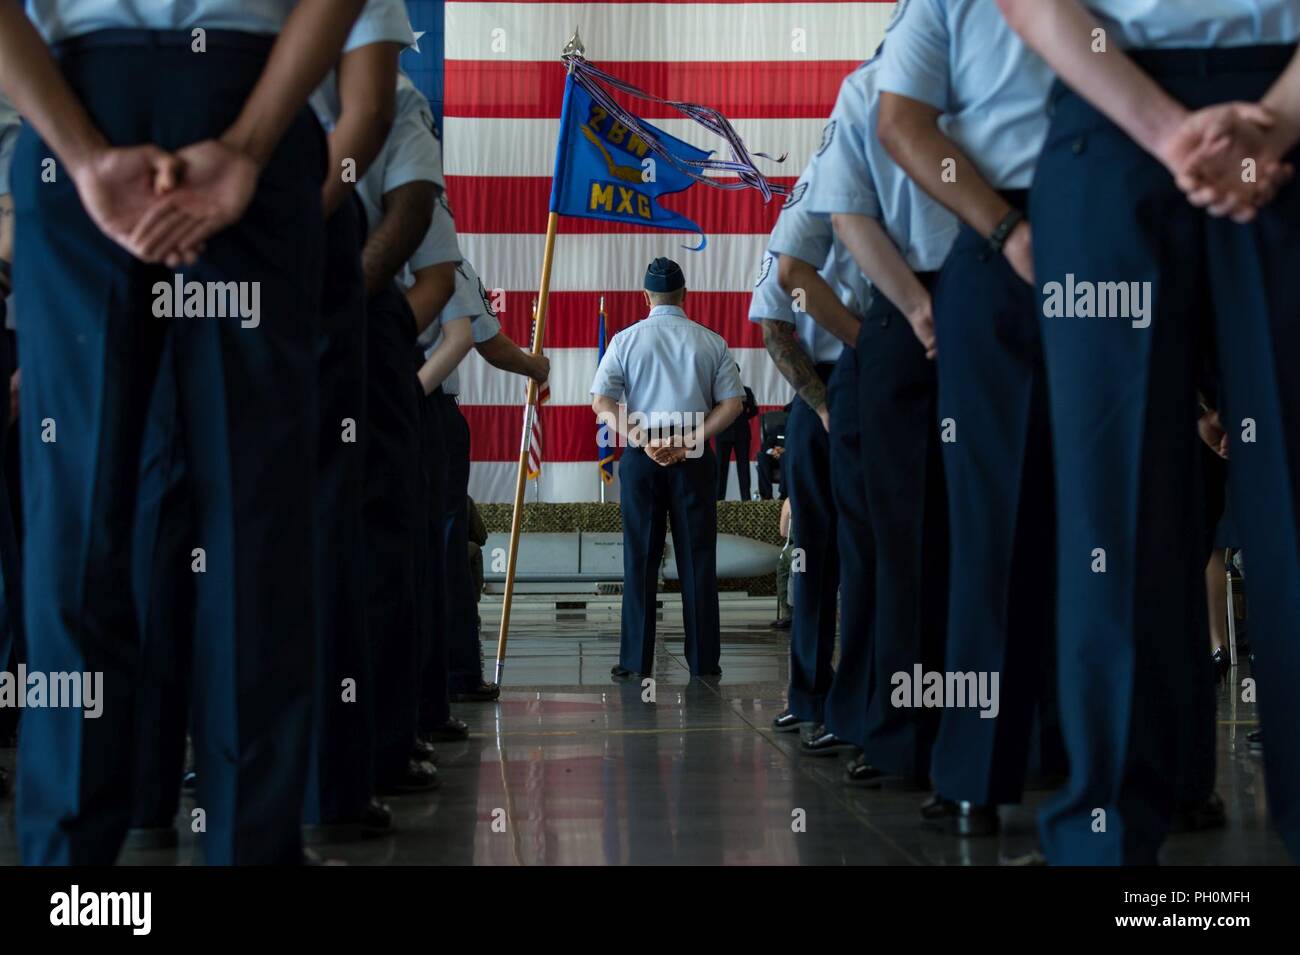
915,62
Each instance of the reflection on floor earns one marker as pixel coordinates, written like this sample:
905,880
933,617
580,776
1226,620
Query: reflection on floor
572,768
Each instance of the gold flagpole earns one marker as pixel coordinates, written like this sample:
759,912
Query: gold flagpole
521,478
530,409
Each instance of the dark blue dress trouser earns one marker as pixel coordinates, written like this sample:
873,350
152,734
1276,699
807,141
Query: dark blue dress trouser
998,470
340,782
904,487
163,576
460,618
815,570
1123,407
11,593
434,690
393,525
89,351
654,498
846,705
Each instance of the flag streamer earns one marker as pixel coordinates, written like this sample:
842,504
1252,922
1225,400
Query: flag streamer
593,80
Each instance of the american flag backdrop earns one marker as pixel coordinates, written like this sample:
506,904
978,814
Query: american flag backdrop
773,68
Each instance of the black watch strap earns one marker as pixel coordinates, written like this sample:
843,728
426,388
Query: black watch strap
1003,232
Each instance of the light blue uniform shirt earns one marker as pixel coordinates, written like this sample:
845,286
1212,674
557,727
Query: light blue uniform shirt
667,364
1141,24
469,300
59,19
10,124
855,175
381,21
770,303
962,58
411,153
440,244
808,236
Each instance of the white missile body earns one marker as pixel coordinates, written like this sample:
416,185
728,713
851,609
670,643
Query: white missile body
593,557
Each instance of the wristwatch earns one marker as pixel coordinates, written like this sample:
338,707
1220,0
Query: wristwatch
1003,232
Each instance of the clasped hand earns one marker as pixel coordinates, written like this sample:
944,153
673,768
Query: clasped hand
1230,159
666,451
161,206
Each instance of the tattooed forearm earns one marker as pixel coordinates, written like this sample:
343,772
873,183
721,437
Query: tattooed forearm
793,362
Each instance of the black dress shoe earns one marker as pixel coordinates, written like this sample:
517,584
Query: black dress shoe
1200,817
819,742
1255,739
783,624
710,671
452,731
859,772
377,819
190,782
424,752
787,722
418,778
960,818
621,673
483,693
1222,663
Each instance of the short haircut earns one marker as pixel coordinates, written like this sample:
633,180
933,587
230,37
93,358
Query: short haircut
675,297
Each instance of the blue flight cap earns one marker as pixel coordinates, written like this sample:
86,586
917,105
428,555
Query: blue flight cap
664,275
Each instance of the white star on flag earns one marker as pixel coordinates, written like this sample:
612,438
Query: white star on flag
419,34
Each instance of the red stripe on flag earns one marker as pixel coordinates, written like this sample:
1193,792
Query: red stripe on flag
518,204
795,89
571,317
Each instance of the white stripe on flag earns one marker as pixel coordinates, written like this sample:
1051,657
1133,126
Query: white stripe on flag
611,263
526,147
669,32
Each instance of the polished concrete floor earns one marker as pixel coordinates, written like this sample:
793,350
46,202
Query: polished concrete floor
571,768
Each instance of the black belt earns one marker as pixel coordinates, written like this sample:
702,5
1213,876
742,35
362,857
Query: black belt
824,370
164,39
927,279
1215,60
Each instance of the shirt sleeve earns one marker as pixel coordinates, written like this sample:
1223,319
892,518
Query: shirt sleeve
915,62
381,21
440,244
842,180
769,302
611,377
726,382
412,153
798,232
